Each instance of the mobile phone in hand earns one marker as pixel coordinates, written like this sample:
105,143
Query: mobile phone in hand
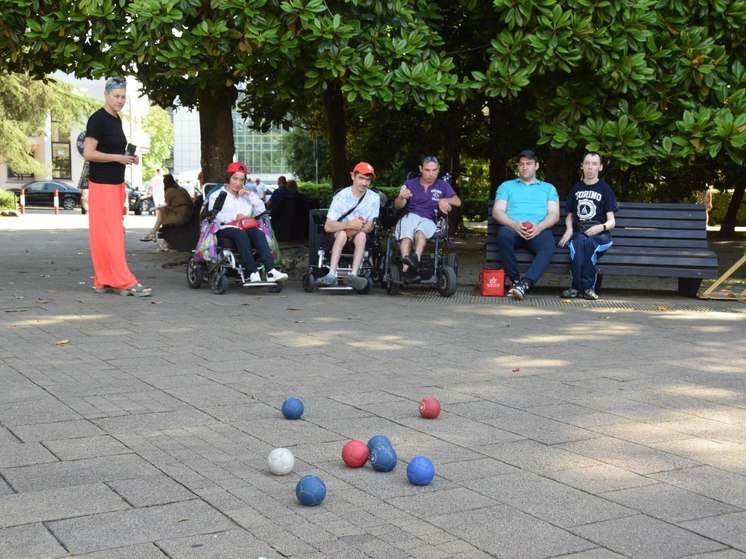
130,149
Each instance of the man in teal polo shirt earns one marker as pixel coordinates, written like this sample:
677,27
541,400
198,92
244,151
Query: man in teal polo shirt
526,208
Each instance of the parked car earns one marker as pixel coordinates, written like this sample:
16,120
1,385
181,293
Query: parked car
268,190
41,193
135,201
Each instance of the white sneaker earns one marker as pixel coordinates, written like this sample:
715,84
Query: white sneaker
275,275
255,277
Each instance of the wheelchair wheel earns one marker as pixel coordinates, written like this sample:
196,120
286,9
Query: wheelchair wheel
219,283
394,281
309,282
195,273
276,288
380,271
452,261
447,281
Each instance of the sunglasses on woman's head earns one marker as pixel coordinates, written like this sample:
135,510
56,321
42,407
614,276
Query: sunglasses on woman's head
115,83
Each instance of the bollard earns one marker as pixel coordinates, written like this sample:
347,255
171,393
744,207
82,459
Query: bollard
23,201
56,201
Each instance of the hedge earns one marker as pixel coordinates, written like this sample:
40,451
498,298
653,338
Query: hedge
7,200
475,209
720,202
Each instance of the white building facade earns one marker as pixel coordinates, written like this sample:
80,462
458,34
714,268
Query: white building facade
262,152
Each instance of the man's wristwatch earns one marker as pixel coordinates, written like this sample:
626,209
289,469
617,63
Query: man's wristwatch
604,227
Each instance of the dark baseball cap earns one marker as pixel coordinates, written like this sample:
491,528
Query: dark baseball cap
528,154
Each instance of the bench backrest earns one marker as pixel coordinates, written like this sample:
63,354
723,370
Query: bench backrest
663,240
646,224
661,225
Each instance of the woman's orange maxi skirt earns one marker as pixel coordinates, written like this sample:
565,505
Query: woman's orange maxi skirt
106,235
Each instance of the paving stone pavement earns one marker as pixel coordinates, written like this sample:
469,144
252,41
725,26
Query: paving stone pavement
140,428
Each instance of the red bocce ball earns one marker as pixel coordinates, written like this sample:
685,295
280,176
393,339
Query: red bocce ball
355,453
429,407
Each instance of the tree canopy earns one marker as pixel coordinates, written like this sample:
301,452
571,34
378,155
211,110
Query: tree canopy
25,105
649,79
200,52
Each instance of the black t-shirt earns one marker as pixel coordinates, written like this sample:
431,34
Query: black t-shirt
591,202
107,129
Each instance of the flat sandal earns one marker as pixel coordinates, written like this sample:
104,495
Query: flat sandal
137,290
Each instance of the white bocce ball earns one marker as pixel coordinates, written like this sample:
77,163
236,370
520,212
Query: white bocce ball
281,461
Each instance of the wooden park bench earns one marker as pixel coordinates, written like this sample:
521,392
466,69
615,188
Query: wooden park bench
660,240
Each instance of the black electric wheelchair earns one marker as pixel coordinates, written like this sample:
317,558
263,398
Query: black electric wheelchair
319,254
225,263
438,266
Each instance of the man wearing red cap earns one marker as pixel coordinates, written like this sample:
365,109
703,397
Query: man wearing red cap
350,218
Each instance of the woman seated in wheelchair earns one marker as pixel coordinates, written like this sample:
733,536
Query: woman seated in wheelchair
419,201
351,218
238,204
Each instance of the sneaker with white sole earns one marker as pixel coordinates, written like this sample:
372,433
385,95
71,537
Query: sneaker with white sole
276,275
255,277
590,295
570,293
519,290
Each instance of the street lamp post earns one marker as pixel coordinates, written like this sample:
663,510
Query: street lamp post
129,110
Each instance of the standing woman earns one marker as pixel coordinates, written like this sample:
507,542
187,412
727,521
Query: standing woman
104,149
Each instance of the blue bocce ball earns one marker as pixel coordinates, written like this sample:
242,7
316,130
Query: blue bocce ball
420,471
310,490
383,457
292,408
375,439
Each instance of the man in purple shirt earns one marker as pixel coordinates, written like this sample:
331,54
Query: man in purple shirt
420,199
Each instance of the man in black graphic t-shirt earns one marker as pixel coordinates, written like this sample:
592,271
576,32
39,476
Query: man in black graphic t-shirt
590,218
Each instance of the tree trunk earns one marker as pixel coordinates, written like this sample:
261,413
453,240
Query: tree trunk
562,170
216,130
334,105
728,227
452,162
497,155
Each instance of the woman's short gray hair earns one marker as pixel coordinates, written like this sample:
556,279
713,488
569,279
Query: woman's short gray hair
115,83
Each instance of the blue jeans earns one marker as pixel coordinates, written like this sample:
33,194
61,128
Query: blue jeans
585,252
244,240
542,246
